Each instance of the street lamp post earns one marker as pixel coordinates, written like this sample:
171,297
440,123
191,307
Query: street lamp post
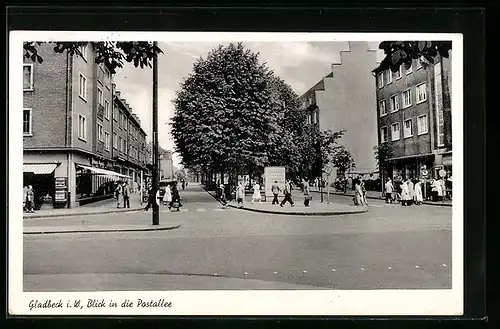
156,209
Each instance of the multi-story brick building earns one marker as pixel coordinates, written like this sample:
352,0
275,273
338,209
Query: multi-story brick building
414,119
67,126
344,100
129,140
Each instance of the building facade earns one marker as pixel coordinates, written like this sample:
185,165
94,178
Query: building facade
344,100
414,120
165,164
68,126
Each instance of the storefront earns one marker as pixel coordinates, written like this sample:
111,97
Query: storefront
95,184
41,177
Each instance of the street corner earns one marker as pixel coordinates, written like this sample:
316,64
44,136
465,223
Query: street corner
300,210
100,228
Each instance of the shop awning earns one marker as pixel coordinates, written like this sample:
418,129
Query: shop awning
104,172
411,156
40,168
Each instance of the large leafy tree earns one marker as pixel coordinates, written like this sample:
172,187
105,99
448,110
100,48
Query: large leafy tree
283,148
399,53
223,112
112,54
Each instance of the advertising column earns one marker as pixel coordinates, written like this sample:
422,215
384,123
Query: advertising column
271,175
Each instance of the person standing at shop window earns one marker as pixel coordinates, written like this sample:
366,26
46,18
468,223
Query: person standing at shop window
118,194
30,199
126,195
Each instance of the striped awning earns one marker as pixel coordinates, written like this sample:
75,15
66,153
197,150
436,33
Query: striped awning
104,172
39,168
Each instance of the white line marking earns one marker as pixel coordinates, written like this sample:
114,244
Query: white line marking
200,210
304,271
218,209
362,269
389,267
275,272
444,265
245,273
184,210
416,266
334,270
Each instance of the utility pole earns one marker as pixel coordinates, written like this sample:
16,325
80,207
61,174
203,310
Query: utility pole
156,208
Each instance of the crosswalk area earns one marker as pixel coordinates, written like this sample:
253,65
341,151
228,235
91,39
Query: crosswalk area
184,210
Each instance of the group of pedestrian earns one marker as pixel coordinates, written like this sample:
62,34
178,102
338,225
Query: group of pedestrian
359,192
170,198
28,199
122,194
411,193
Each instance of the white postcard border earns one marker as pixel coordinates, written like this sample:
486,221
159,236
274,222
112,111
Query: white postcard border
275,302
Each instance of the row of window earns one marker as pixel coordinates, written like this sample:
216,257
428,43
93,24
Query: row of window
406,96
386,77
422,128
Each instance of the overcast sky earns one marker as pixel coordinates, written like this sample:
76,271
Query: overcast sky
300,64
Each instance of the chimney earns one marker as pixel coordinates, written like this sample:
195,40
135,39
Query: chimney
118,94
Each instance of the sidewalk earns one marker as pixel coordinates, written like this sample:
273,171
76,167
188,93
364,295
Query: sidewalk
378,195
315,209
100,207
98,224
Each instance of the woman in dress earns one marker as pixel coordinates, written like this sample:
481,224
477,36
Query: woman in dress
256,193
305,186
405,193
240,194
358,199
167,197
418,193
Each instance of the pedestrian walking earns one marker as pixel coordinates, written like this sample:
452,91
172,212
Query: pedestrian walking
223,199
256,193
25,189
389,189
118,194
418,193
288,194
358,193
30,199
126,195
167,197
307,195
176,198
151,198
240,194
363,191
276,190
136,187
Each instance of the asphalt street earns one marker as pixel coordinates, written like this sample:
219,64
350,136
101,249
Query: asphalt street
388,247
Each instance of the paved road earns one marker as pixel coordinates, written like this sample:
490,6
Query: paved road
389,247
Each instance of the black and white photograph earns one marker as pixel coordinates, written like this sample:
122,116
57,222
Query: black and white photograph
183,173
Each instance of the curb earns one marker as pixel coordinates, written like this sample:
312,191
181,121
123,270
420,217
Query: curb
83,214
319,213
380,198
107,230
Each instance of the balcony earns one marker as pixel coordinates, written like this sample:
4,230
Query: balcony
100,111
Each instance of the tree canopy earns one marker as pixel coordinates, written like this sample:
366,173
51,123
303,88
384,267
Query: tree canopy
399,53
234,113
223,112
112,54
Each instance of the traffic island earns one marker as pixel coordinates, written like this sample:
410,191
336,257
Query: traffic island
316,209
